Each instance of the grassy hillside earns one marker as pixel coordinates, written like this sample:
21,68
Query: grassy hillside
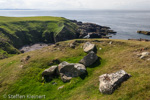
21,78
16,32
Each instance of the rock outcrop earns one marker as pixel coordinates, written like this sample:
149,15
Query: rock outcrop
88,47
90,30
109,82
144,32
69,70
89,59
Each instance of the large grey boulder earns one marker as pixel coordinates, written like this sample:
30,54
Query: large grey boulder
69,70
88,47
89,59
50,71
109,82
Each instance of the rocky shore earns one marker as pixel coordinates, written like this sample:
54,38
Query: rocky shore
91,30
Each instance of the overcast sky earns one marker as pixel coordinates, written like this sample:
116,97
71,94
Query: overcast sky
75,4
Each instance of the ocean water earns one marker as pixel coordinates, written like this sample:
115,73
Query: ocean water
126,23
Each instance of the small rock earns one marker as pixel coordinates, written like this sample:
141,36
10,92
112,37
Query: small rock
57,44
54,83
65,78
88,47
21,66
109,82
90,59
110,42
42,78
100,48
61,87
72,45
24,60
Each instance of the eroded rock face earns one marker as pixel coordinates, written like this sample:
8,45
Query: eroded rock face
109,82
88,47
89,59
69,70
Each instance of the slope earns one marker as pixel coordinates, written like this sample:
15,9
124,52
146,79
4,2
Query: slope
21,78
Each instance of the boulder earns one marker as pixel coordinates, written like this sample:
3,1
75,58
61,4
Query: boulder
110,82
72,45
88,47
69,70
90,59
50,71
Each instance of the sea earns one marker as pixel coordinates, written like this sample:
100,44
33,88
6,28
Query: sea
125,23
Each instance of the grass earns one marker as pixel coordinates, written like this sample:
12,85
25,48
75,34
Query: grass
119,55
42,18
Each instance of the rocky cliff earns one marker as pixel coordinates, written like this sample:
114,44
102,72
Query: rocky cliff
16,32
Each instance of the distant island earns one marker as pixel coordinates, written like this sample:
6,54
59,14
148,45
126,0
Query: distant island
17,9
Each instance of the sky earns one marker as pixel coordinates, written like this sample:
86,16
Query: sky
76,4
